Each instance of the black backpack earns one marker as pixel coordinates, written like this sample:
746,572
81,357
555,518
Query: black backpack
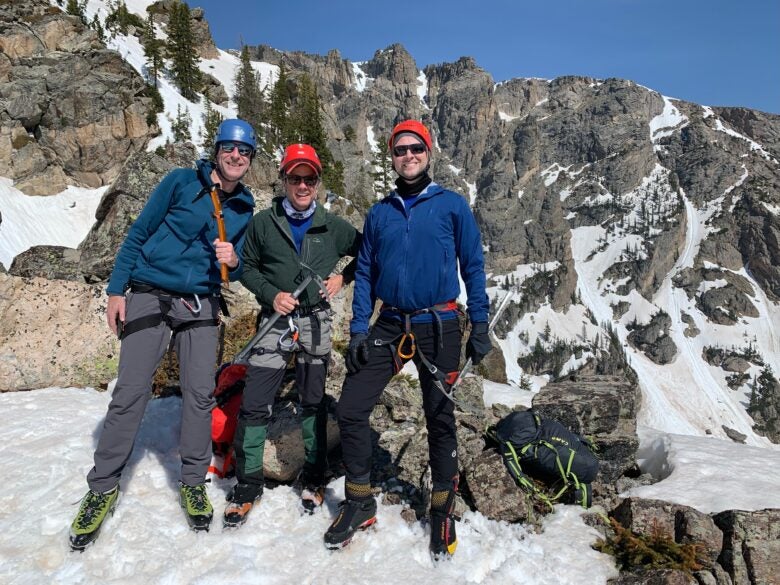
546,450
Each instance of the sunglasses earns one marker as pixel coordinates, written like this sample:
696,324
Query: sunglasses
243,149
414,148
295,180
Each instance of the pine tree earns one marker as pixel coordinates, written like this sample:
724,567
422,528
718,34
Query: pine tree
181,125
153,50
98,28
383,173
182,52
250,99
76,8
211,121
306,125
278,114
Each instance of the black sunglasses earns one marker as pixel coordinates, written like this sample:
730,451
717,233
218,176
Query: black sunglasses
414,148
295,180
243,149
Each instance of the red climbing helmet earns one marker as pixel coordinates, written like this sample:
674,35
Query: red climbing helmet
414,127
300,154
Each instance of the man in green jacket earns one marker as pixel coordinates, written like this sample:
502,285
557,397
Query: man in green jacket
295,231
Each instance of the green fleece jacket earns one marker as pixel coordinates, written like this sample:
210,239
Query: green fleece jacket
272,264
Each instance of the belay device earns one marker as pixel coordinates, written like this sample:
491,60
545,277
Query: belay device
547,450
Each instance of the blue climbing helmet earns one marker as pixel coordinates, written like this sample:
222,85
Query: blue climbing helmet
236,130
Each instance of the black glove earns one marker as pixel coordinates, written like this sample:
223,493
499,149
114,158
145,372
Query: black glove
478,344
357,354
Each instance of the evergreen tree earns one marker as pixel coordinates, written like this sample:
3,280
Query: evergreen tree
383,169
120,19
762,389
153,50
211,121
181,125
76,8
250,99
306,125
182,52
98,28
278,114
333,176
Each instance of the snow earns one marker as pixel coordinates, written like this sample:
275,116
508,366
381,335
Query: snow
422,90
667,122
49,445
361,79
688,395
56,220
773,209
147,540
371,138
472,187
693,471
754,146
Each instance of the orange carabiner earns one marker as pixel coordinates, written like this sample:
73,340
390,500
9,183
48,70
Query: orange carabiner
413,347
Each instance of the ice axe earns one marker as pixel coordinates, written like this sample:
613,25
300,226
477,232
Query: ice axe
467,366
243,355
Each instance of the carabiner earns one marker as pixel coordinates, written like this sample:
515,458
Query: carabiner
289,339
196,309
412,349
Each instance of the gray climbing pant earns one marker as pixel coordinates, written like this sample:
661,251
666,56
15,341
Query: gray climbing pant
140,355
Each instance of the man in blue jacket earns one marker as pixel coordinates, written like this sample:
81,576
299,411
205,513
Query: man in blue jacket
166,281
413,241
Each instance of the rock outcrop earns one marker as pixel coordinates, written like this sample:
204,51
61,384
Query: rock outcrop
72,111
54,333
732,547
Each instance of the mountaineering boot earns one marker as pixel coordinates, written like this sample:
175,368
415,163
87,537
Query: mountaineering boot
242,497
196,504
357,512
443,538
92,512
311,490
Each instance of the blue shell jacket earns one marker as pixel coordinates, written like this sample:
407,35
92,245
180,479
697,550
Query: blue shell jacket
410,261
170,246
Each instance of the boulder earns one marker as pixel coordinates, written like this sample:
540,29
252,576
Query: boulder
54,333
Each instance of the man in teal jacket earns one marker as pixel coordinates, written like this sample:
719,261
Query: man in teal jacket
283,242
166,281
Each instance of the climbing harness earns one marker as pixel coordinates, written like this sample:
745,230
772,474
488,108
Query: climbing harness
165,299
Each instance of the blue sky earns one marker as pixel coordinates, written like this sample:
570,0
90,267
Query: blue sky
718,53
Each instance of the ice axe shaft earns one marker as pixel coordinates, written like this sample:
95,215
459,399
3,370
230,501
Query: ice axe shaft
218,215
241,356
467,366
